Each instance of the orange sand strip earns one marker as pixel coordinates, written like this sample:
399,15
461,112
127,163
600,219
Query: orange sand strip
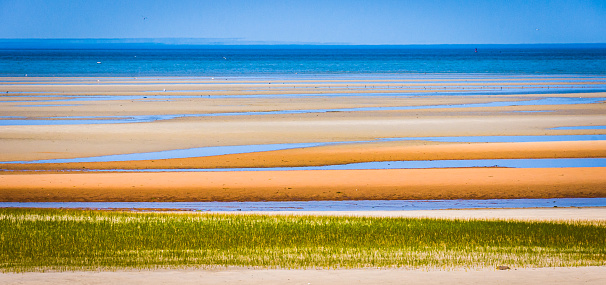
466,183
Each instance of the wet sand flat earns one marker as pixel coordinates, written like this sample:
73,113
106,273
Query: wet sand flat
352,119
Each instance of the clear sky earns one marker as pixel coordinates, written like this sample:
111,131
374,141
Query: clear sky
312,21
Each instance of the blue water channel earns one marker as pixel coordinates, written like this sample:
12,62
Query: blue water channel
364,205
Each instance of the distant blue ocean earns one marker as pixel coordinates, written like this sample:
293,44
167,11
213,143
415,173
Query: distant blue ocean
134,60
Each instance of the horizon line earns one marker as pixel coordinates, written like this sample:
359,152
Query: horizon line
241,42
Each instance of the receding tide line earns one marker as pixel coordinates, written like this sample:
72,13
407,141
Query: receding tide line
238,149
358,205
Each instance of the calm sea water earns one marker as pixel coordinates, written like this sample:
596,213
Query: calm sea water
311,60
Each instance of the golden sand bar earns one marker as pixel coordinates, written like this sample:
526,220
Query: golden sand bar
196,111
391,184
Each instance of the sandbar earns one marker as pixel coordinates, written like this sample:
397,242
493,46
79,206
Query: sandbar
390,184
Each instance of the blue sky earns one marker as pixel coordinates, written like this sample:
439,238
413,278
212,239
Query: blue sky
325,21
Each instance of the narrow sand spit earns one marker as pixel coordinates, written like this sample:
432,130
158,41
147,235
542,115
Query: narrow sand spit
597,214
579,275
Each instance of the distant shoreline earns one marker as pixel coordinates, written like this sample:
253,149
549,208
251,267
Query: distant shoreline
202,43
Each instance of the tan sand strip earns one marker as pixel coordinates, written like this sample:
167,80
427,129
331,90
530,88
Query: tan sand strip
395,184
554,276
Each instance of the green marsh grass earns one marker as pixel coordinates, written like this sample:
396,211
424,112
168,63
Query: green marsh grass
51,239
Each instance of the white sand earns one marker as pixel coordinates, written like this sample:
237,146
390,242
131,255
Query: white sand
530,214
580,275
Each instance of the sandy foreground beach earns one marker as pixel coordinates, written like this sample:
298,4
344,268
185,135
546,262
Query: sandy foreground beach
579,275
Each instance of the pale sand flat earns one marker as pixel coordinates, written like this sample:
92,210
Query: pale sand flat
597,214
578,275
83,140
68,141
